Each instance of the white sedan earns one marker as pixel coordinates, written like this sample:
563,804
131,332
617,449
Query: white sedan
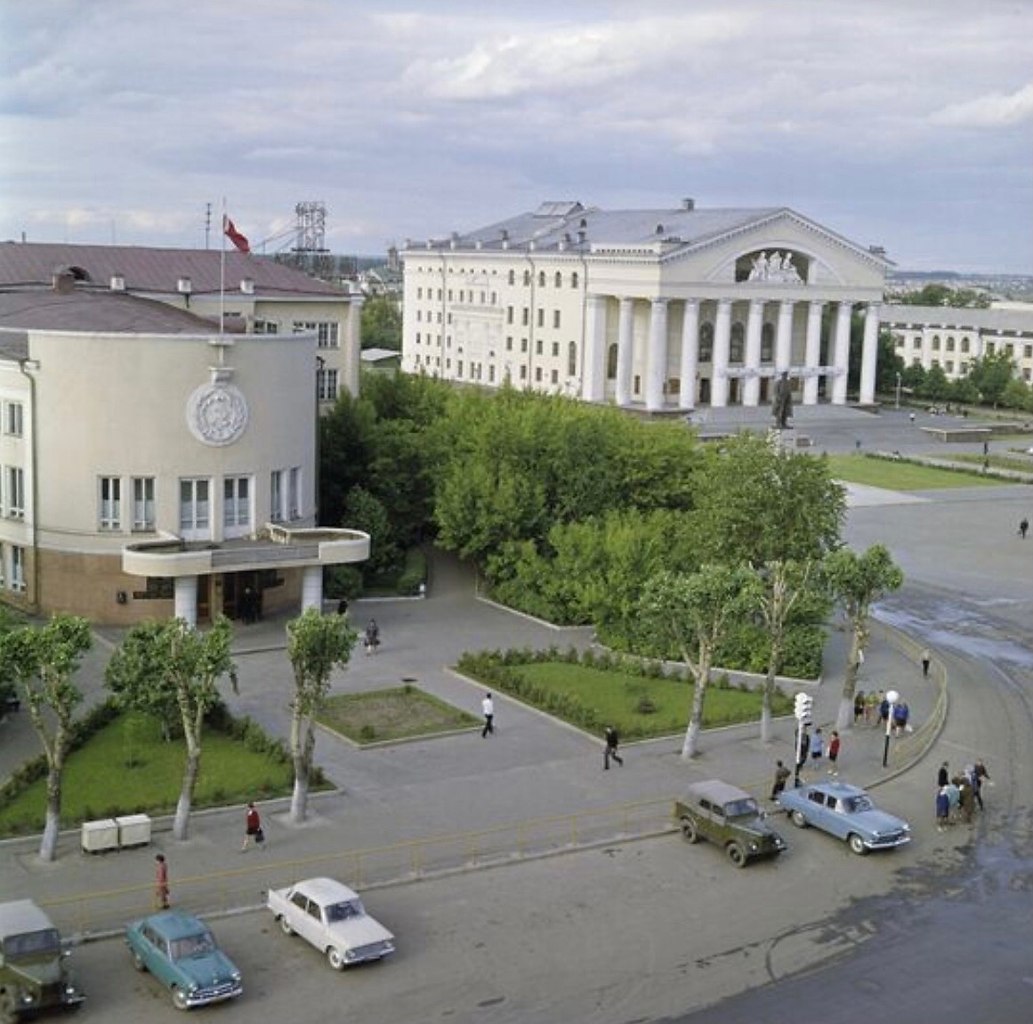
331,917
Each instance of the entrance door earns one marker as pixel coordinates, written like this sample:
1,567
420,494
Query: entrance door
704,391
236,589
204,604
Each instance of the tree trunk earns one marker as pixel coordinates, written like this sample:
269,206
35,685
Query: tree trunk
48,844
774,663
303,742
845,717
690,748
181,823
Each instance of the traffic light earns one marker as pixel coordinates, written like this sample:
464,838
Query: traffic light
802,706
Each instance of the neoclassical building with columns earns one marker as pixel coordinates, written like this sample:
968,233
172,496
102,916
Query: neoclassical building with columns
659,310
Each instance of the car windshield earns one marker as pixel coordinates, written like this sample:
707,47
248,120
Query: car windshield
343,911
200,944
858,803
46,941
747,807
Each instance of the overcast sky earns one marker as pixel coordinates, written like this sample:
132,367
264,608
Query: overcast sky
902,123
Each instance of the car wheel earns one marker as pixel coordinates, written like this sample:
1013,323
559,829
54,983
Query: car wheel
857,844
8,1011
138,961
798,819
736,854
285,926
688,830
336,958
179,999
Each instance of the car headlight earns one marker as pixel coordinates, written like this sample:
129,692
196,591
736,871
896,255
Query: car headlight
236,975
70,989
754,846
349,954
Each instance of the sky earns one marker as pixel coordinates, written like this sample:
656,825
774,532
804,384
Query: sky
901,123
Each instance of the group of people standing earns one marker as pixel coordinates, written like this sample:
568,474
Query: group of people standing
959,795
874,708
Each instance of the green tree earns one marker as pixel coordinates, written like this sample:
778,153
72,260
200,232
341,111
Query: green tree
888,364
1016,395
160,661
691,613
856,582
944,295
316,644
935,387
382,323
43,660
362,511
990,374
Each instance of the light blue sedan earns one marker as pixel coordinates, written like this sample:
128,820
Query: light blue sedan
181,953
846,812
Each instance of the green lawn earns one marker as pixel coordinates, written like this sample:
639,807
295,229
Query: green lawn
902,476
126,768
638,707
400,713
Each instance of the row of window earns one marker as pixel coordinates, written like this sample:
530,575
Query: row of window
195,503
327,331
511,278
12,568
13,419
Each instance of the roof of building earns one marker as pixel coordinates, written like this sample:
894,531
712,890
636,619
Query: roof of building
158,270
957,318
83,309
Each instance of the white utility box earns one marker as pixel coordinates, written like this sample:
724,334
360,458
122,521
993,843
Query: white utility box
134,830
100,835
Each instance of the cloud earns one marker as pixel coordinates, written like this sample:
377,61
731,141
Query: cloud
993,110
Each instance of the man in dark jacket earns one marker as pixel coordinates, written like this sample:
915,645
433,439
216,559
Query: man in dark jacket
612,740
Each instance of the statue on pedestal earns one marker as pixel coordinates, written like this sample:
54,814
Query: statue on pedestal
782,403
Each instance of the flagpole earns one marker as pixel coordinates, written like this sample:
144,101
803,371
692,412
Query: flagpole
222,271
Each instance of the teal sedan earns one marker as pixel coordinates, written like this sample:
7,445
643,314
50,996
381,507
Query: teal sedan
180,951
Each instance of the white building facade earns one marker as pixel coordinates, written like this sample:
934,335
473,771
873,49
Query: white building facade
660,310
951,338
151,466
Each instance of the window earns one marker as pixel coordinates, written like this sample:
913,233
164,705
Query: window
538,347
509,343
541,278
419,293
964,344
523,344
573,279
236,504
194,508
735,347
950,344
541,317
523,373
13,418
326,332
459,367
555,349
276,496
527,278
294,493
936,343
143,502
572,360
559,279
15,492
512,277
526,317
706,342
538,374
555,318
554,376
509,314
110,515
767,342
326,385
17,568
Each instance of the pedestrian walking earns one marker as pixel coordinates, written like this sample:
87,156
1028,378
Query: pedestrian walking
942,776
942,808
253,831
488,710
926,661
161,882
967,797
1023,527
372,639
612,740
817,745
884,710
782,774
979,776
858,706
901,714
833,753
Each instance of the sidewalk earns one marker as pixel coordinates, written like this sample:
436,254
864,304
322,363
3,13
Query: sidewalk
534,767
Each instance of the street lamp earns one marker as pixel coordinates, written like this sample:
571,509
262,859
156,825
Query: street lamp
898,390
892,696
803,704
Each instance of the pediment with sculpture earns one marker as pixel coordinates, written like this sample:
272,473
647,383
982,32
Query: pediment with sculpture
772,266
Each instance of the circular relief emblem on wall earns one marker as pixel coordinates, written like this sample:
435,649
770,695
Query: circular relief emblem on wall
217,414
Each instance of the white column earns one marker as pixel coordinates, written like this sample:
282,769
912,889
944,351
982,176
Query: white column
869,351
185,599
841,361
351,359
754,323
656,357
812,353
592,387
722,337
689,355
312,588
784,337
625,349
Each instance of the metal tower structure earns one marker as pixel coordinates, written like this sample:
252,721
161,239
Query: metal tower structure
310,228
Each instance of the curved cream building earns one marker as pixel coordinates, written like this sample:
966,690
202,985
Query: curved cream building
655,309
151,466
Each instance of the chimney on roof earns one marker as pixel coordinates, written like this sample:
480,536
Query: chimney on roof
118,282
877,250
453,240
64,282
504,234
184,286
688,204
478,244
247,285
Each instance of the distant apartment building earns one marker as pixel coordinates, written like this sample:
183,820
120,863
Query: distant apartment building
950,338
659,310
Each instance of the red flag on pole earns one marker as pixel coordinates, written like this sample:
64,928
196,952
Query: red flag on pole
231,232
